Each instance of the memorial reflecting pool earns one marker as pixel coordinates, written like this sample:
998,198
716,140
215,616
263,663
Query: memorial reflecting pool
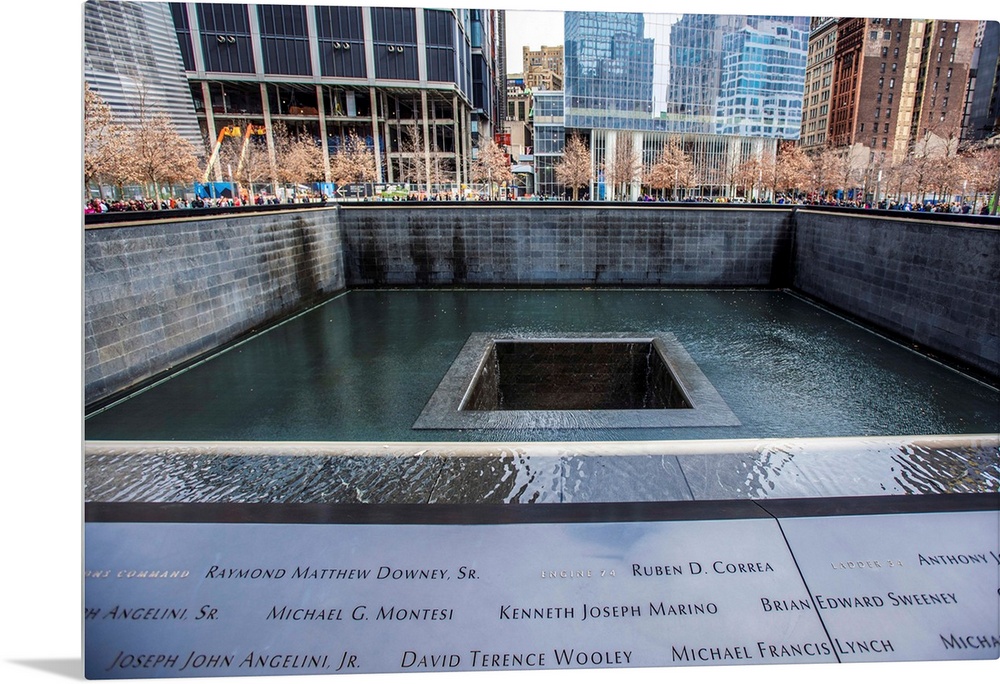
362,367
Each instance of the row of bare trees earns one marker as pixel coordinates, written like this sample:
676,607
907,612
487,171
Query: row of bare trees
297,159
151,153
934,166
425,165
673,168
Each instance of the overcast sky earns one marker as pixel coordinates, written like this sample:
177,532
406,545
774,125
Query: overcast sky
533,29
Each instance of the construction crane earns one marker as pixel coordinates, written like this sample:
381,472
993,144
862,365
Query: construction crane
232,132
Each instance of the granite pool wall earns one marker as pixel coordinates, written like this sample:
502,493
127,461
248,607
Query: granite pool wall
161,293
158,294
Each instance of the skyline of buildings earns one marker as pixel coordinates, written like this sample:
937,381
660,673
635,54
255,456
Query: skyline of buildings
895,82
726,87
422,87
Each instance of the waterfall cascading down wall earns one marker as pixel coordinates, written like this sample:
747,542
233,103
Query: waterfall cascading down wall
158,294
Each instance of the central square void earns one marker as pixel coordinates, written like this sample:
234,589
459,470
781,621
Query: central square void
578,375
574,381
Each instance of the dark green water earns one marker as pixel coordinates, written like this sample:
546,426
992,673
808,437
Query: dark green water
362,366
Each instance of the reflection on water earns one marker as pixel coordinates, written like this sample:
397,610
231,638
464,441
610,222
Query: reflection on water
580,472
362,367
876,468
953,471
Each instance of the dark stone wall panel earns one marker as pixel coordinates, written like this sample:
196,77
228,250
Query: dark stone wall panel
932,283
159,294
538,246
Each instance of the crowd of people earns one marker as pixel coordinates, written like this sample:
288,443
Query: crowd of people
102,205
903,205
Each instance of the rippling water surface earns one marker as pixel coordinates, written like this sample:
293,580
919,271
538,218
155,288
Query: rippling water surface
362,366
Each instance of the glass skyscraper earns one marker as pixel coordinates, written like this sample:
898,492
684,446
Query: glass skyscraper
701,73
727,87
131,60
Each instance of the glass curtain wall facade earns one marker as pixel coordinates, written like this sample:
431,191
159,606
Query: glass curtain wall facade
984,109
410,82
131,59
727,88
550,137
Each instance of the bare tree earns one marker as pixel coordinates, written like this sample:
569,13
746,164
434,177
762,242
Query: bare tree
981,171
672,169
244,158
837,168
491,165
922,157
412,166
106,155
354,162
793,169
899,176
931,157
749,174
573,170
97,132
298,157
159,154
626,165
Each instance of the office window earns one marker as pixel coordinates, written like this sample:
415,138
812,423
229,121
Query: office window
341,41
177,10
225,38
394,36
284,39
439,30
